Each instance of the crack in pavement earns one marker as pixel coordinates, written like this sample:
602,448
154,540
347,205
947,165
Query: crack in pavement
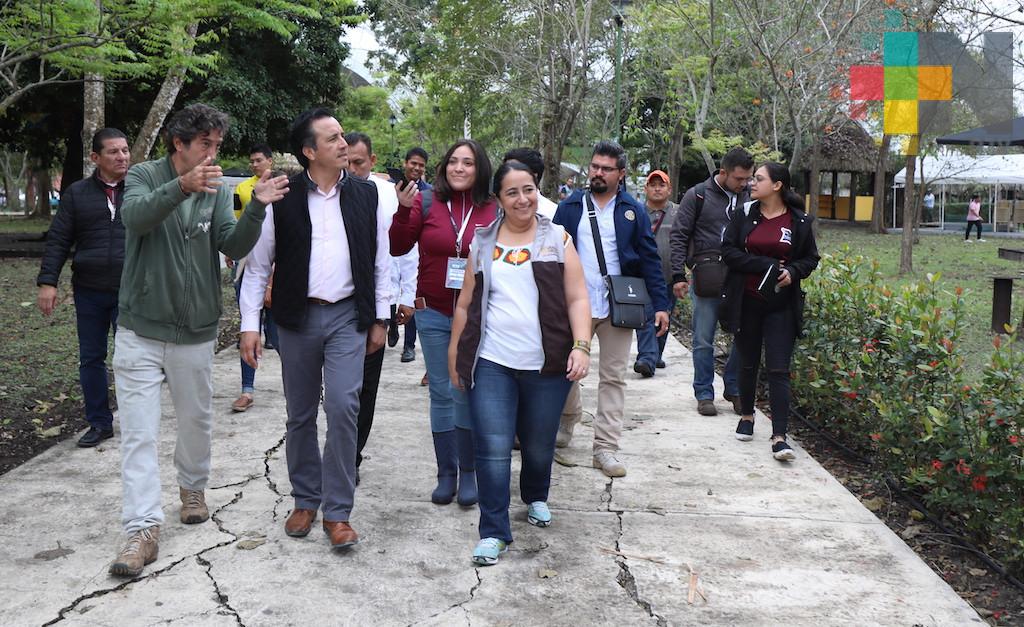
460,604
271,484
625,578
62,614
221,598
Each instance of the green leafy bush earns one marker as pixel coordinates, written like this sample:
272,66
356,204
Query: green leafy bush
880,368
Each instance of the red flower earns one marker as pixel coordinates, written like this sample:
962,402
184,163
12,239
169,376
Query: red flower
1014,439
936,464
959,291
963,468
876,436
933,363
1000,422
850,395
979,483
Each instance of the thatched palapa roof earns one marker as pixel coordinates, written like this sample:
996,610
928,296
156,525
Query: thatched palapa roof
848,148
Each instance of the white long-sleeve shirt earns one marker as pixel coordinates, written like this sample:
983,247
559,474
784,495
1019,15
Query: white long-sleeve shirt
330,263
404,274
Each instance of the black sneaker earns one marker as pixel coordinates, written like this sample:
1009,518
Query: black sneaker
660,364
94,436
392,334
408,355
782,451
644,369
745,430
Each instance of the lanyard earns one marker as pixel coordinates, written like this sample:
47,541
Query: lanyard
459,232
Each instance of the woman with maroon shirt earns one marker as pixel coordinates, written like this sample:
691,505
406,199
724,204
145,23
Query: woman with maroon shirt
461,201
769,248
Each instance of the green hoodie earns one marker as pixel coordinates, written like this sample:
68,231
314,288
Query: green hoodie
170,287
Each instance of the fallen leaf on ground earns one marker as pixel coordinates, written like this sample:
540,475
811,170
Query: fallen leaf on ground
547,573
978,572
911,532
874,504
248,545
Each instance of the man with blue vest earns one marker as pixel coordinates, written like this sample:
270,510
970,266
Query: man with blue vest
628,246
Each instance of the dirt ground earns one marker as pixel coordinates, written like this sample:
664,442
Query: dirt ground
40,399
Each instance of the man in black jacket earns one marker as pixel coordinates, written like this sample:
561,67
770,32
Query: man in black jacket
90,220
703,215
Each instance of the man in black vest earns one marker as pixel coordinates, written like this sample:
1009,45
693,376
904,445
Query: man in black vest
89,220
331,299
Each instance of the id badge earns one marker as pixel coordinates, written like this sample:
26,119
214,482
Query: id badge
455,274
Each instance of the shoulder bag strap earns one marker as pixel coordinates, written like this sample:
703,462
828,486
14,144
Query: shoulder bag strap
596,232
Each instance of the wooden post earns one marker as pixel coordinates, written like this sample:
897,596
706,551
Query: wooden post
853,197
835,192
1002,302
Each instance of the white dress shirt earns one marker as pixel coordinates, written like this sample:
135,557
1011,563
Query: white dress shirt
405,272
330,263
588,254
547,207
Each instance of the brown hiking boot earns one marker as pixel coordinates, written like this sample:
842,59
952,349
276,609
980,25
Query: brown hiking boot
141,549
193,506
706,407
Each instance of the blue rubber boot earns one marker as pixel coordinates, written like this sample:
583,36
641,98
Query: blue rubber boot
467,468
446,450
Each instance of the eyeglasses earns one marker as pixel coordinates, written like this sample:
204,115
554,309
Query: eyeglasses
603,169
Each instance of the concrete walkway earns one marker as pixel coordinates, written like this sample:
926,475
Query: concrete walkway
771,544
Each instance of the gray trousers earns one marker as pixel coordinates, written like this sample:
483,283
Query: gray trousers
327,349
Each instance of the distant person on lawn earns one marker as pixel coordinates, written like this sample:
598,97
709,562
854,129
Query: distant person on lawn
90,221
178,219
974,218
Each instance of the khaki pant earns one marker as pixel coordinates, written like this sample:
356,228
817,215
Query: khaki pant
141,366
611,388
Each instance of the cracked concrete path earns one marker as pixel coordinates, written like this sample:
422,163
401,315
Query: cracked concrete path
770,543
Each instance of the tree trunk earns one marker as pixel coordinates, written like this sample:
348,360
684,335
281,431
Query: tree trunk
93,118
163,103
552,147
675,158
40,184
878,206
907,241
814,189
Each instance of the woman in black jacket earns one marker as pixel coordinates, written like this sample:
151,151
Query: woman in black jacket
769,248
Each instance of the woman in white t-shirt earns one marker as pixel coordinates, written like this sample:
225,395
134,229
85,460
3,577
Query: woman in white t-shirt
520,337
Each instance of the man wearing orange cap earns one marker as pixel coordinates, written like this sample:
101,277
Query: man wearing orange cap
662,212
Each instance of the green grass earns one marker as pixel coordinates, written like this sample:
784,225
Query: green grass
21,224
970,266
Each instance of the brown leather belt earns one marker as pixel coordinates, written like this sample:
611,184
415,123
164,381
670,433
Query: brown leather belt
319,301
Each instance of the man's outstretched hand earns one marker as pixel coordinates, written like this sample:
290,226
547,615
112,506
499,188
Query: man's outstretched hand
270,190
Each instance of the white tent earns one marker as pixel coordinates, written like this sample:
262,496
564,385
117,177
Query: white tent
956,169
966,170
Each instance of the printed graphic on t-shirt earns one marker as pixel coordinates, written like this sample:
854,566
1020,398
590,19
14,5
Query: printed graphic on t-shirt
512,256
787,236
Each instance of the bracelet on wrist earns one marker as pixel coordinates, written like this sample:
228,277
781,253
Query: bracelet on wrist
582,345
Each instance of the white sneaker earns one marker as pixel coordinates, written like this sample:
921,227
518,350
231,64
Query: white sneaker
609,465
967,241
982,239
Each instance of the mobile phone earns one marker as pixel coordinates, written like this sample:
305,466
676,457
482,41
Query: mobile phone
397,175
420,303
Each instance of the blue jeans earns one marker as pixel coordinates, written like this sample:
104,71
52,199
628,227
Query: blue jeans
269,327
448,406
505,403
705,321
650,347
95,317
410,333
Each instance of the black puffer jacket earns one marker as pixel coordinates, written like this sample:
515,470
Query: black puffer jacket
84,222
741,263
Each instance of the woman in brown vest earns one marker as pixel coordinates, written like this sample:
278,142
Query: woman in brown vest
519,338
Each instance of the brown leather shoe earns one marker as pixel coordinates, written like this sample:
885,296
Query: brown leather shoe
299,522
242,403
341,534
